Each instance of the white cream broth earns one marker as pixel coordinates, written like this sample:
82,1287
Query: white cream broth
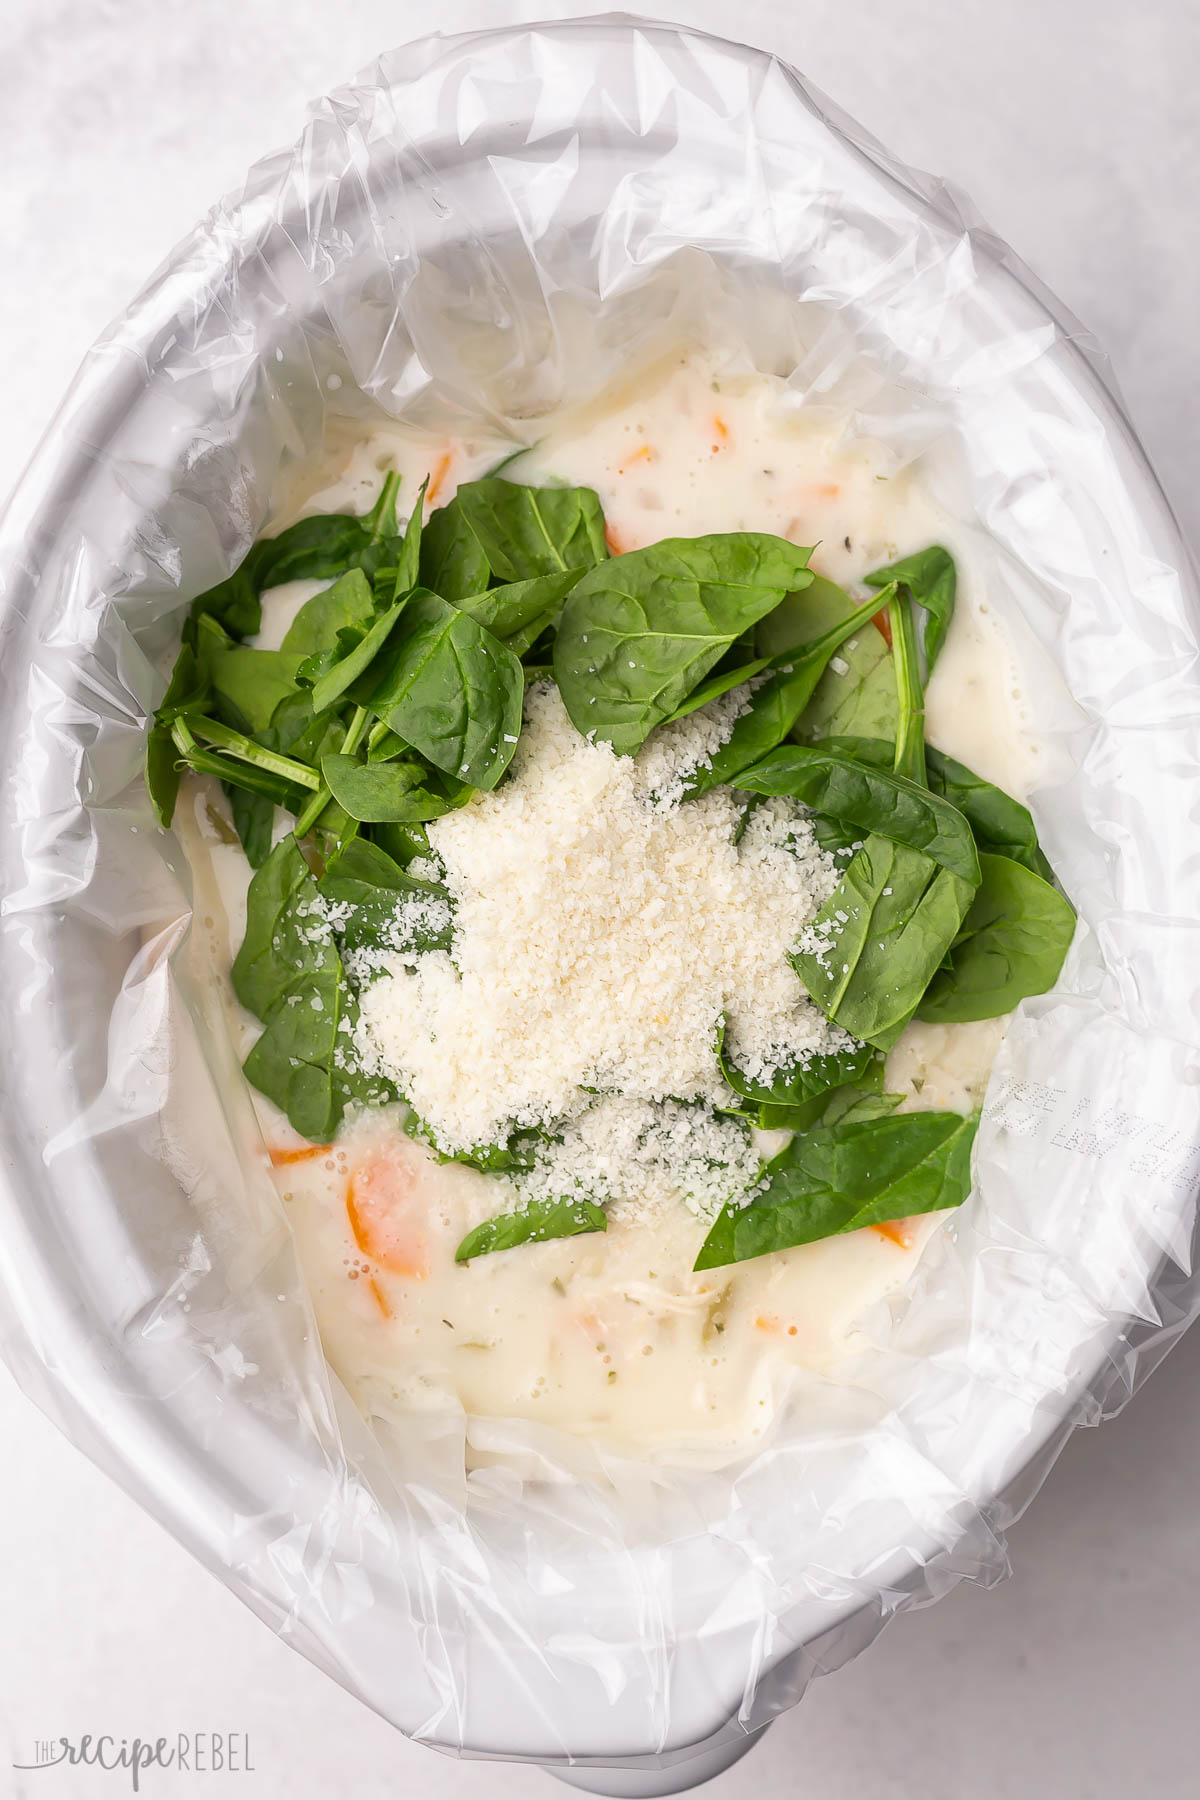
612,1335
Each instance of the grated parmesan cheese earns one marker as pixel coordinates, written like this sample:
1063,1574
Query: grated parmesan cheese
603,926
645,1156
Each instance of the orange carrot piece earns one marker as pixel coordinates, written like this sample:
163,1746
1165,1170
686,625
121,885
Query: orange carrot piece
436,479
380,1298
384,1218
898,1231
883,626
643,453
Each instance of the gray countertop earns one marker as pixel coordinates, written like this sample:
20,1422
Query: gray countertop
1073,126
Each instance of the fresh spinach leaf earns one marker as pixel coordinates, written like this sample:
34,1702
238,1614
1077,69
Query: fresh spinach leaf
509,610
452,561
282,923
289,973
404,841
254,821
250,684
858,691
909,758
639,632
407,791
931,579
773,710
722,683
1002,826
302,1061
349,661
802,1081
527,531
532,1224
889,923
448,688
408,562
851,1105
839,1178
364,877
189,690
348,605
872,800
1012,943
313,549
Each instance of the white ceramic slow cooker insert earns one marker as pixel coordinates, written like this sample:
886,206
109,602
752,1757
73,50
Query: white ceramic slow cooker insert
482,228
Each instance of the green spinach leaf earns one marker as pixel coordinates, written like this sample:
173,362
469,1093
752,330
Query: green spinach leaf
448,688
872,800
1002,826
365,878
337,670
510,610
453,562
303,1062
406,791
931,579
909,758
1012,943
527,531
313,549
845,1176
254,821
639,632
802,1081
889,923
189,690
532,1224
404,841
856,689
250,684
282,926
348,605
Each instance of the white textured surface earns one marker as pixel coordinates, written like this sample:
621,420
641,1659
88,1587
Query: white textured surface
1072,124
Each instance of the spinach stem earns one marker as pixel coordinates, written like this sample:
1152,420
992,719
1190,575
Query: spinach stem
910,728
320,800
245,749
382,517
356,730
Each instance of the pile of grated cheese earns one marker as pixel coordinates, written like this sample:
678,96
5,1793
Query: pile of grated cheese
604,925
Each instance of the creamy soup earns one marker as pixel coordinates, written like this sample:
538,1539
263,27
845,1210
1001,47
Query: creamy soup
612,1334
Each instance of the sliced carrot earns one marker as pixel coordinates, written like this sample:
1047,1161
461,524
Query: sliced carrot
643,453
380,1298
772,1322
436,479
383,1208
883,626
899,1231
282,1159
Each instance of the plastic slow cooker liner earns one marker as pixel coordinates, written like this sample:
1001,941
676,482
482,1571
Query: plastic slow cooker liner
481,228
